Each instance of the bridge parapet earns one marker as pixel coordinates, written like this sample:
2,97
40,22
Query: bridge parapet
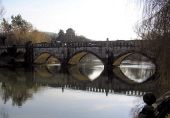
120,43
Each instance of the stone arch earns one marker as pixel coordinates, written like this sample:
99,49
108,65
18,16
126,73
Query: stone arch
122,56
43,57
77,56
121,76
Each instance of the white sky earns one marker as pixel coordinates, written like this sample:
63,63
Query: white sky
94,19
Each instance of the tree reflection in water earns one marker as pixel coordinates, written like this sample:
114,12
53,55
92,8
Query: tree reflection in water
3,113
19,92
16,87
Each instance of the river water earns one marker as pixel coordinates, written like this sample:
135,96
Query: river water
84,91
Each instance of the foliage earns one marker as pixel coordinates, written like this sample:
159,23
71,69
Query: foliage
19,24
19,92
69,36
19,31
38,36
5,26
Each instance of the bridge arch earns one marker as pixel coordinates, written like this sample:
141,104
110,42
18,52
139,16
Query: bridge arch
122,76
77,56
118,60
43,58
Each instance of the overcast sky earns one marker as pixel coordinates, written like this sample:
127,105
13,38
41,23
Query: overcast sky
95,19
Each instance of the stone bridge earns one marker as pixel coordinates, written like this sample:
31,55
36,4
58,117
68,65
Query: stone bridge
109,52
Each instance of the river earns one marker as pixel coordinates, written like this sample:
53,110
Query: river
85,91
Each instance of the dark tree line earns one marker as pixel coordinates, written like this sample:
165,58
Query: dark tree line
69,36
20,31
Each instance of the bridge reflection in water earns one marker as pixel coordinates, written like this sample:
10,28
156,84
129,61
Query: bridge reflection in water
87,75
20,86
129,77
81,78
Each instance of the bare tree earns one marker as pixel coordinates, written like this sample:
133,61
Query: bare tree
2,36
2,10
155,27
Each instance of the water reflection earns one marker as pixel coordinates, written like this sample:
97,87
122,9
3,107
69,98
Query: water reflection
46,92
137,71
76,73
20,85
53,68
37,96
92,72
4,113
16,87
137,67
90,66
40,93
53,103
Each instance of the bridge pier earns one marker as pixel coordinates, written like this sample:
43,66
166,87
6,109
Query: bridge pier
28,57
108,63
64,66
